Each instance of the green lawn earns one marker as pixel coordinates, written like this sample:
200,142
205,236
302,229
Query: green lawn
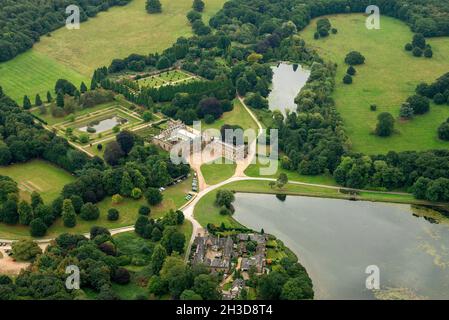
116,33
253,170
389,76
174,197
238,116
217,172
40,176
33,72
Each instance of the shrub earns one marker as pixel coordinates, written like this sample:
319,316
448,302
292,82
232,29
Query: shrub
225,211
136,193
121,276
117,199
84,138
373,107
113,214
439,98
147,116
38,228
351,71
443,131
385,125
419,104
406,111
428,53
347,79
144,210
417,52
25,250
334,30
89,212
354,58
208,119
408,47
99,147
153,196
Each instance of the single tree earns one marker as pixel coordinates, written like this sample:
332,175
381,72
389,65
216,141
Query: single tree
153,6
198,5
38,101
68,214
60,100
26,103
83,87
385,125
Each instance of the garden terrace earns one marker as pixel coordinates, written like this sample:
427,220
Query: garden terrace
170,77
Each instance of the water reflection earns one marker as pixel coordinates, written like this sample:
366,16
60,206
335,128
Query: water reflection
336,240
288,80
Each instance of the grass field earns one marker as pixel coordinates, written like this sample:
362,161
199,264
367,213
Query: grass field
389,76
116,33
253,170
34,72
38,175
217,172
238,116
174,197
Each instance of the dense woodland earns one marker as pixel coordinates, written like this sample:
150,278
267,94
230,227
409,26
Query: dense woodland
23,22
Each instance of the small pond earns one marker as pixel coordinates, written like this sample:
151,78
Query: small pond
336,240
103,125
288,80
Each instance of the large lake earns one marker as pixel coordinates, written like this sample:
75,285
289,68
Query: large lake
336,240
288,80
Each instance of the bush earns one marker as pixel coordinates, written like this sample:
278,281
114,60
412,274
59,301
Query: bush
385,125
208,119
373,107
38,228
443,131
136,193
113,214
439,98
25,250
354,58
406,111
334,30
428,53
417,52
347,79
351,71
117,199
408,47
89,212
84,138
153,196
225,211
144,210
121,276
419,104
